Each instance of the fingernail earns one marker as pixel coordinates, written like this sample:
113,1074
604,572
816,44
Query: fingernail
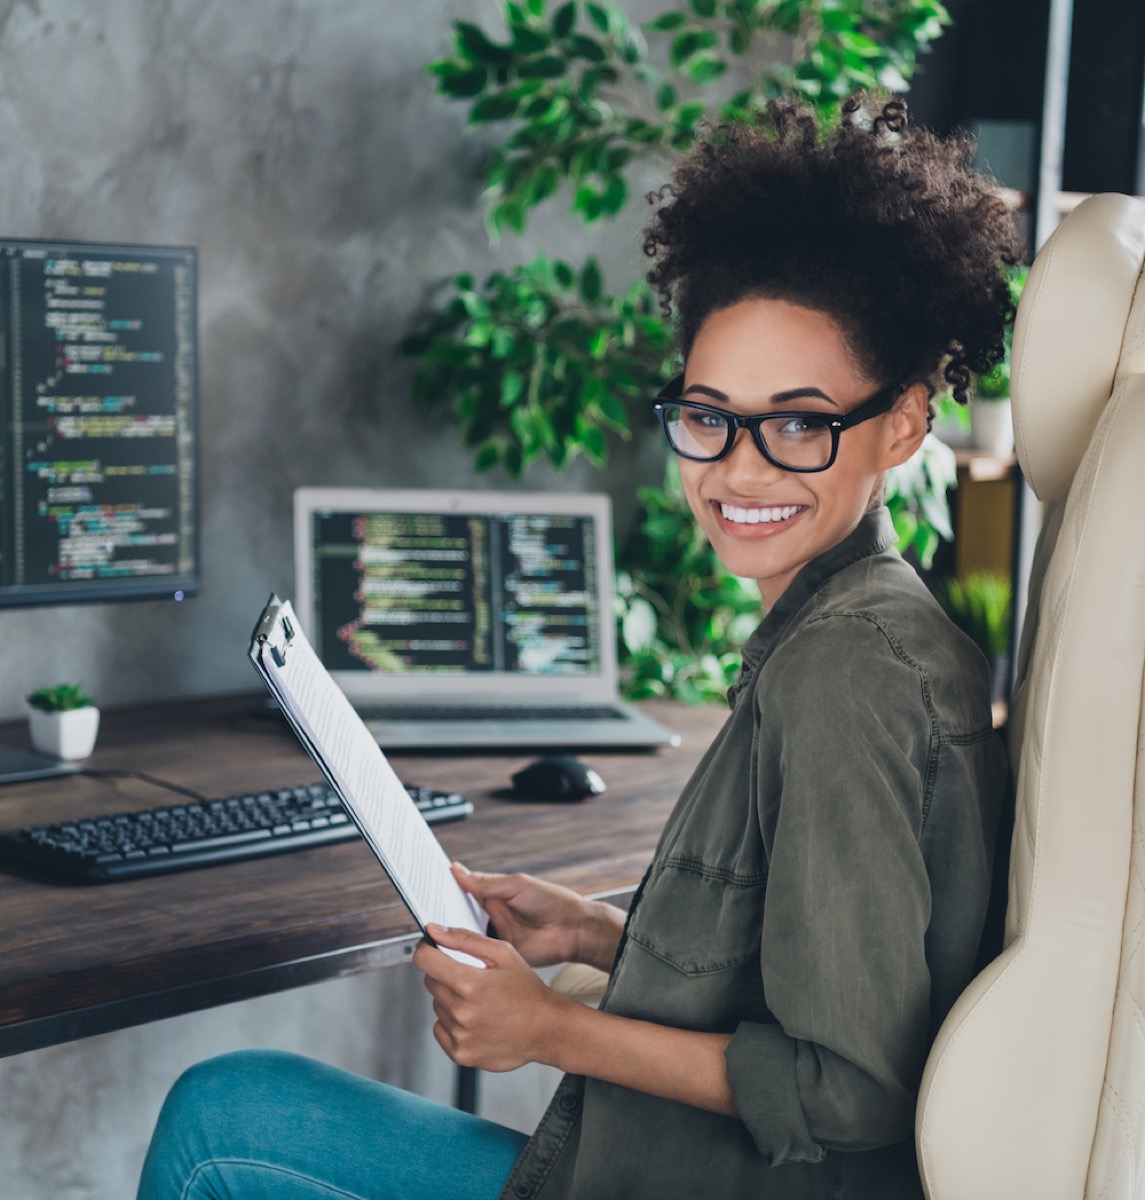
463,868
435,930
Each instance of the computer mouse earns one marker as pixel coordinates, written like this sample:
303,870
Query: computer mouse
558,778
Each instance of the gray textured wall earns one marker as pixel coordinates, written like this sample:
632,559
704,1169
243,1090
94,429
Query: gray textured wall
298,144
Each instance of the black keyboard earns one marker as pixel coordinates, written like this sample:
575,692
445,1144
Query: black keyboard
133,844
468,712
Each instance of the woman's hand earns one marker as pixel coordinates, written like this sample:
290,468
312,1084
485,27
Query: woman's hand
503,1016
497,1018
544,922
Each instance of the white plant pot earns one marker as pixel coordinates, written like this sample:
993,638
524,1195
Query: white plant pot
992,426
68,734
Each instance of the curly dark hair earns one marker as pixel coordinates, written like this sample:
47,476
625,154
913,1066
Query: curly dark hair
886,229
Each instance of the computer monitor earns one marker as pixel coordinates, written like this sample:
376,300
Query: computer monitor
98,423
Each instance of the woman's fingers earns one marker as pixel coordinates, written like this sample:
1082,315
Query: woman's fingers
488,950
486,886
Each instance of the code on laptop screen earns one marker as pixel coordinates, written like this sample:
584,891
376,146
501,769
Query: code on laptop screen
416,593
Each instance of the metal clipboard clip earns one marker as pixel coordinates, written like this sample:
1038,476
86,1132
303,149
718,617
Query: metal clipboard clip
266,628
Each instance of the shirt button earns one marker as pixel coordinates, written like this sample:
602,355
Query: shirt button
570,1104
524,1190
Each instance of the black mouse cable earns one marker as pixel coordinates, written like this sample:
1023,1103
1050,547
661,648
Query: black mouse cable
109,775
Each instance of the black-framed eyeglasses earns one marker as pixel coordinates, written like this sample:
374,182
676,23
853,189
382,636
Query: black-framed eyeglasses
795,441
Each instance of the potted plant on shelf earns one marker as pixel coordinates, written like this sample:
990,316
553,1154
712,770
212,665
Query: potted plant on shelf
991,423
63,720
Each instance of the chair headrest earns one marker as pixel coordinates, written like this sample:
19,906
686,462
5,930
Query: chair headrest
1069,335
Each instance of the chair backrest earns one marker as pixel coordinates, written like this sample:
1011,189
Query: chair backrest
1035,1087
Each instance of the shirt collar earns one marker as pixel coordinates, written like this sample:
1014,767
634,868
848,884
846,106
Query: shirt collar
874,534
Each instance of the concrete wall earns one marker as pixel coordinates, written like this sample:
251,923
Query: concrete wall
298,145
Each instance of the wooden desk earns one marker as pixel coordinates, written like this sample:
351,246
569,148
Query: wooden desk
76,961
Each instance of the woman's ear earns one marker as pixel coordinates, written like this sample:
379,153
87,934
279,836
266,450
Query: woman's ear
906,425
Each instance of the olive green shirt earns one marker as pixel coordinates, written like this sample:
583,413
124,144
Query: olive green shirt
818,892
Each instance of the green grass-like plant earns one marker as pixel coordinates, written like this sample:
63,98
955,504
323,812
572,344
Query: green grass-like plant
980,605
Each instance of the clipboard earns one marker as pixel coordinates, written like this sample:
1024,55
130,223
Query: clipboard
373,796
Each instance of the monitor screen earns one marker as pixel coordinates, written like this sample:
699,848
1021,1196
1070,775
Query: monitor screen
422,593
98,422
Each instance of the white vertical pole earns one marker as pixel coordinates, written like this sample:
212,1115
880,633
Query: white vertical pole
1028,517
1053,119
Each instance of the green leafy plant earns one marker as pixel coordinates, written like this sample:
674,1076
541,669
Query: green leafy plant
61,697
539,361
916,497
587,93
980,605
586,97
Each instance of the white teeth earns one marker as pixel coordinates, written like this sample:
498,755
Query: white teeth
756,516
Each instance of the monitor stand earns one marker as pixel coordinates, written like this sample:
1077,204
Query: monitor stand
18,764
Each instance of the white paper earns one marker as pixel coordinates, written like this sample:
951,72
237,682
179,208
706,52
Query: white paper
370,789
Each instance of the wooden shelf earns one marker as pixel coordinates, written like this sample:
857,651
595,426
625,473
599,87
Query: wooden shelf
982,466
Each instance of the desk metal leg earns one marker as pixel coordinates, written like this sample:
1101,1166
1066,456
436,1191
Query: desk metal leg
465,1089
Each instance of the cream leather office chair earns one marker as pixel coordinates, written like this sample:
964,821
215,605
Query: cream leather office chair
1035,1088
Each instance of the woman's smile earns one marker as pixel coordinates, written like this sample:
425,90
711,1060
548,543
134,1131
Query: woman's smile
743,520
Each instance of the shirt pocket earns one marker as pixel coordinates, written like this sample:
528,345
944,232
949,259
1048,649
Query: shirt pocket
698,918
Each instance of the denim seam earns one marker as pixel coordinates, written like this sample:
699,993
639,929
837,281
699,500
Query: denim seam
537,1172
697,866
679,965
202,1167
966,739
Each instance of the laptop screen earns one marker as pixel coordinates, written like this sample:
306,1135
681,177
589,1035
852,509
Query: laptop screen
425,593
432,591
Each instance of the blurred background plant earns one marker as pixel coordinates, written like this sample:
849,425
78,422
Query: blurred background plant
981,605
541,360
916,495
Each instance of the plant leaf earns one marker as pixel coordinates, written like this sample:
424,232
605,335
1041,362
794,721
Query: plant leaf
667,22
564,19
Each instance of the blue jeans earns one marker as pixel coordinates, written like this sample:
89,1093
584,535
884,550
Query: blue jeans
263,1125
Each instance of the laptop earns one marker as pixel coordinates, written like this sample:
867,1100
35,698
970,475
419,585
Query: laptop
463,619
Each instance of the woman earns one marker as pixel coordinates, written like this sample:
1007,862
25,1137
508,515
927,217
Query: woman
816,900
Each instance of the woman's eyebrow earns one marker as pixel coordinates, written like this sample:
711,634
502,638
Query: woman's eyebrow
779,397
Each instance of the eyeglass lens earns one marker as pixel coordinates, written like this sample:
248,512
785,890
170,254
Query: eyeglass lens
798,441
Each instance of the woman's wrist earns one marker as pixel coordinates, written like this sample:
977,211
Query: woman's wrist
598,934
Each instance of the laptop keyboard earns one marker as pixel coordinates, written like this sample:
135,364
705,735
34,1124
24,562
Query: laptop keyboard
133,844
472,712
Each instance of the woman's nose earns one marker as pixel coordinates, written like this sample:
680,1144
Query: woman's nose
745,464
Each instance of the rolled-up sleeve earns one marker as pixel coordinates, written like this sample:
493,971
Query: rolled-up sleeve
845,754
